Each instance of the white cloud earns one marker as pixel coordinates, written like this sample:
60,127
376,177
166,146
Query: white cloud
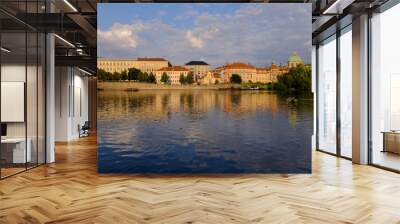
256,33
120,35
194,41
200,35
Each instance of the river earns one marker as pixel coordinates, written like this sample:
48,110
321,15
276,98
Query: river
203,131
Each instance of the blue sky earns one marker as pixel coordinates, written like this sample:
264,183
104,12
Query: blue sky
216,33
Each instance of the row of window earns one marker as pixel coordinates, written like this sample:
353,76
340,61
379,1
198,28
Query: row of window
334,109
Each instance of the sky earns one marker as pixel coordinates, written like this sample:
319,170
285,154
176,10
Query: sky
255,33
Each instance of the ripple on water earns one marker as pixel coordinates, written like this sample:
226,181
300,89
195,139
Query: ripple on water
202,132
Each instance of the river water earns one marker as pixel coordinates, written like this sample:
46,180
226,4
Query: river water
203,131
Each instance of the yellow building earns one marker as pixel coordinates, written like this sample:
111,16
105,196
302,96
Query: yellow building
211,78
115,65
275,71
174,73
245,71
149,65
249,73
199,68
263,75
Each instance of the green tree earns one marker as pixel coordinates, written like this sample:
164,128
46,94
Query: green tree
133,73
151,78
143,76
116,76
182,79
298,79
124,75
190,78
102,74
235,78
165,78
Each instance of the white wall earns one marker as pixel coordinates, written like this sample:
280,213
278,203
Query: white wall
13,72
71,87
33,126
62,82
9,73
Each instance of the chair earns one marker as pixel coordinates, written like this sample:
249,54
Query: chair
84,130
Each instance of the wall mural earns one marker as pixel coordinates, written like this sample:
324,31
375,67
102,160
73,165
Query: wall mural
204,88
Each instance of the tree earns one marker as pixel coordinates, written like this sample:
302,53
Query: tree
235,78
151,78
182,79
124,75
133,73
143,77
116,76
190,78
165,78
102,74
298,79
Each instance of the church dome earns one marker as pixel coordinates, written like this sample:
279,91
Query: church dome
295,58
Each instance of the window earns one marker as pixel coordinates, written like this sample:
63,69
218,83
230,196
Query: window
346,92
327,95
385,89
22,88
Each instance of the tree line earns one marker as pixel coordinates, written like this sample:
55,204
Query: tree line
296,80
133,74
189,79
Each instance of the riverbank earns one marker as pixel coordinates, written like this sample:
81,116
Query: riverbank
132,86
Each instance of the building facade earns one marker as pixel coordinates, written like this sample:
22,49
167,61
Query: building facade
211,78
149,65
199,68
246,71
249,73
173,72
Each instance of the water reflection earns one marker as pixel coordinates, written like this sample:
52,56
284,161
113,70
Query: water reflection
202,132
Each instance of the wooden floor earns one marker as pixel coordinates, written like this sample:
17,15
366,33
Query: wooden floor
70,191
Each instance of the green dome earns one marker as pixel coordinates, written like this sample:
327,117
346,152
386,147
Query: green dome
295,58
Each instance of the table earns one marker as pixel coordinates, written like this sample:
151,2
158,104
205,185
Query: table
16,146
391,141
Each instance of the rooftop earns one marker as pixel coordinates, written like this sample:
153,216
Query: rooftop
174,68
151,59
196,63
239,65
114,59
295,58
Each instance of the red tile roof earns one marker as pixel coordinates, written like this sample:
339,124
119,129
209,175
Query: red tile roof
151,59
174,68
239,65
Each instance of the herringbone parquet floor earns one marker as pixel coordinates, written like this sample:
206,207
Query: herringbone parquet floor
70,191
